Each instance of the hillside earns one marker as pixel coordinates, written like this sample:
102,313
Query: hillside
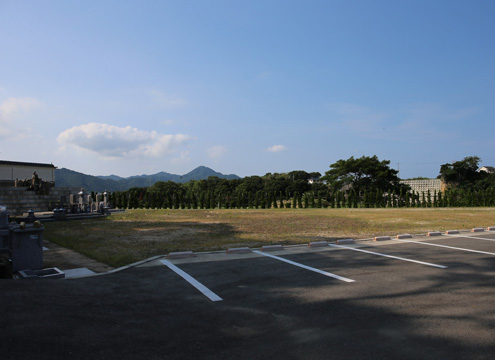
69,178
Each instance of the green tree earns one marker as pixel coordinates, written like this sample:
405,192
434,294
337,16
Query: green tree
394,199
407,199
423,199
299,201
463,173
366,199
378,198
363,174
389,201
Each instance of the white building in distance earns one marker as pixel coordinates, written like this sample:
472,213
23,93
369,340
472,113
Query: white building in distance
421,186
12,170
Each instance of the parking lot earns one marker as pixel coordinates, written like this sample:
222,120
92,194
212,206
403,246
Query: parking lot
419,298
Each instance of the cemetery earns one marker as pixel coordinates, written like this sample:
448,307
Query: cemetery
21,237
28,201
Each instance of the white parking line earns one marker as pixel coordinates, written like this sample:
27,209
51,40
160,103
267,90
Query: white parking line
469,237
390,256
304,266
207,292
448,247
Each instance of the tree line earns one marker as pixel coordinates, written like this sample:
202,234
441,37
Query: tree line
183,198
364,182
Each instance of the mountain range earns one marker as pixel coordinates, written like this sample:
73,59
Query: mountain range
69,178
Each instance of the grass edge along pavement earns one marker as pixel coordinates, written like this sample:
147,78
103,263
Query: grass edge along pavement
136,235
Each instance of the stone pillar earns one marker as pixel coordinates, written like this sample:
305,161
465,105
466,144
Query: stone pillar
90,203
82,194
105,198
98,200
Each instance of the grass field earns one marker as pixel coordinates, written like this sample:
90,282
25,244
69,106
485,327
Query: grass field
138,234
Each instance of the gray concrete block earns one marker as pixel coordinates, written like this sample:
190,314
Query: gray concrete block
450,232
434,233
403,236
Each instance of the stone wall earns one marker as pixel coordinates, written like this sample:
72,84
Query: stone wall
18,200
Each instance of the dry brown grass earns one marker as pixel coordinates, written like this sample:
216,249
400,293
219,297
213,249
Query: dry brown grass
138,234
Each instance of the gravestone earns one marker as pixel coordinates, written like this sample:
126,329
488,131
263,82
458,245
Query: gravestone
26,248
4,230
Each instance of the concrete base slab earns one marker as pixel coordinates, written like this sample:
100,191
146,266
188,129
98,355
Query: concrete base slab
80,272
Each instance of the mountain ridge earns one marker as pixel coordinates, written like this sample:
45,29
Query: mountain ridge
70,178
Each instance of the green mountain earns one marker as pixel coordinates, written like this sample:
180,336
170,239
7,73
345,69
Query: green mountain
69,178
203,172
112,177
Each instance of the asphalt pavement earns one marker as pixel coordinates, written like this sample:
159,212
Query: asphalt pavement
285,306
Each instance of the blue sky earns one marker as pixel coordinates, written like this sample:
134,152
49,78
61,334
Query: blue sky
246,87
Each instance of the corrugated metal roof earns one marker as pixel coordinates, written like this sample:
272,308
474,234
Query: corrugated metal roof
19,163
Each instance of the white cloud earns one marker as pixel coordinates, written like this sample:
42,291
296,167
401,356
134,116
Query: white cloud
15,106
13,109
166,100
217,151
113,141
277,148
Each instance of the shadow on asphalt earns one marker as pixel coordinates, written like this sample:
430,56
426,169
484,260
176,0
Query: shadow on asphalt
269,311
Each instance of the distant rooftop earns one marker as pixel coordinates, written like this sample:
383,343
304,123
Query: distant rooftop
488,169
19,163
